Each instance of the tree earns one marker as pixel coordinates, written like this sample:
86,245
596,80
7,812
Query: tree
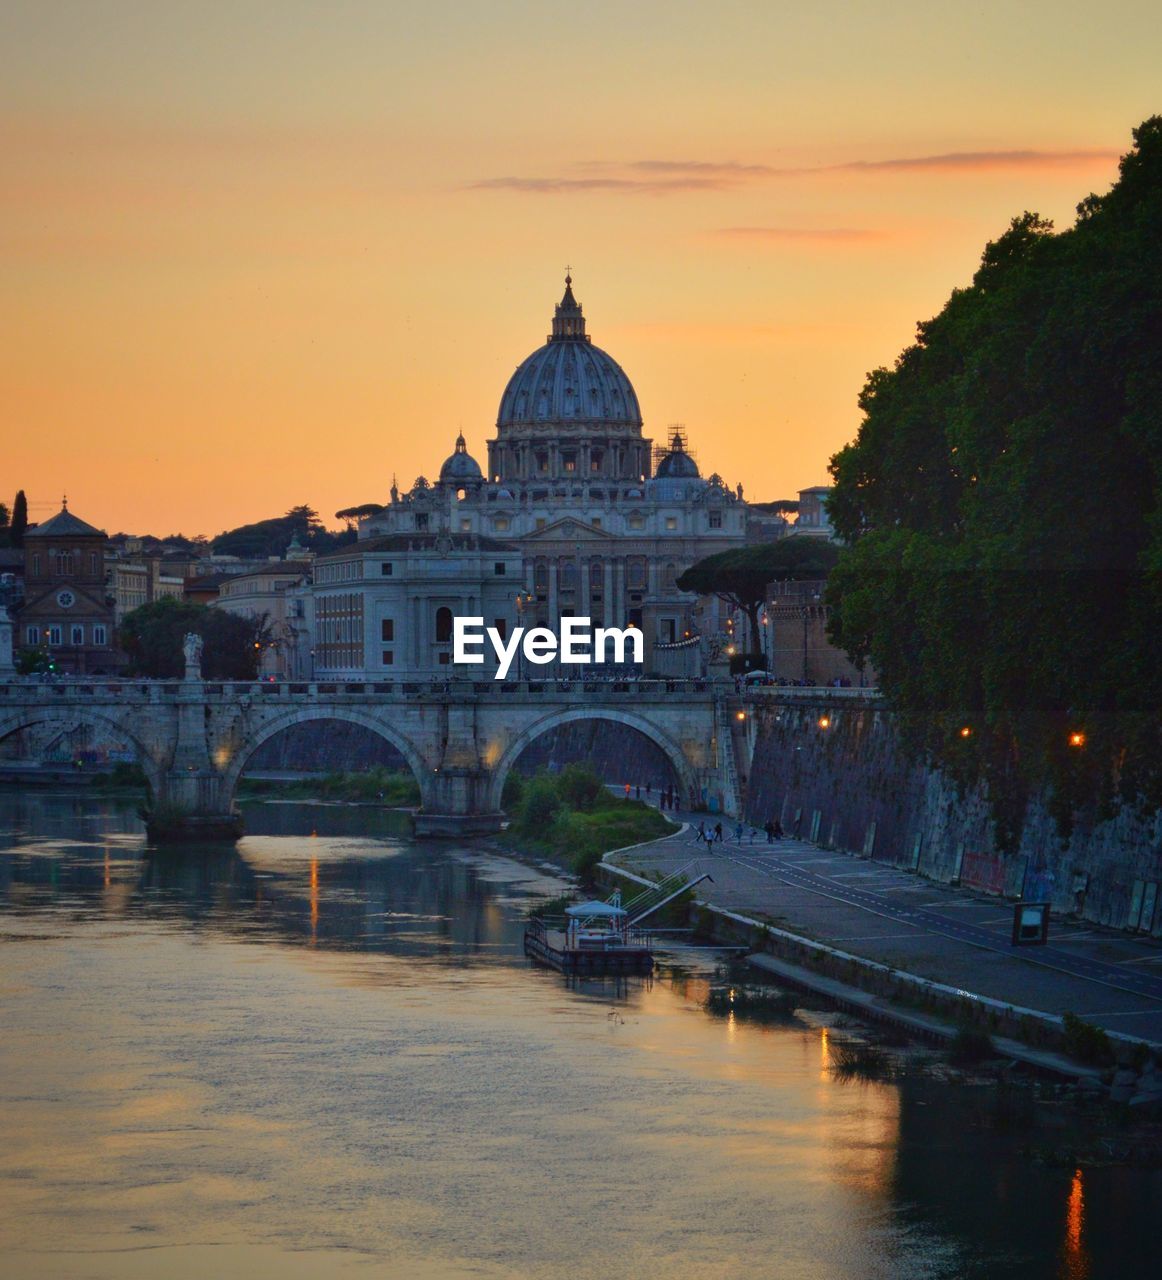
152,637
267,538
3,515
19,519
740,577
1002,509
359,513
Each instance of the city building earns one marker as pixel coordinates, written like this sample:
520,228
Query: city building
603,522
68,611
813,518
383,608
798,648
273,593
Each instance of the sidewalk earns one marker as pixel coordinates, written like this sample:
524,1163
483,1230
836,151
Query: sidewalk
943,934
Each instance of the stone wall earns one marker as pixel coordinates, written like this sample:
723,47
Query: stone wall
327,746
849,786
615,752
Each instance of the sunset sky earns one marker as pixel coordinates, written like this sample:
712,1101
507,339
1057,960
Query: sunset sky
270,252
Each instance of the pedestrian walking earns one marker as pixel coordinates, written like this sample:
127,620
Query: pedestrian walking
718,833
770,830
738,833
627,790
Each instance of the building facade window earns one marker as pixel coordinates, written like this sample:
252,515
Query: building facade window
78,635
388,658
385,569
387,629
54,635
500,569
716,519
671,522
443,625
99,634
32,635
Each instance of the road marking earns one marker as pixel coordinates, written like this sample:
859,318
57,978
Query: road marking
1060,962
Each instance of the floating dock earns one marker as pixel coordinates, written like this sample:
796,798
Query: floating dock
577,947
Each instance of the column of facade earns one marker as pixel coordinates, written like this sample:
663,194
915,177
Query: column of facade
553,599
607,591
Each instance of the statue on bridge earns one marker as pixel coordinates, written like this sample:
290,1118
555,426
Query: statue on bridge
192,648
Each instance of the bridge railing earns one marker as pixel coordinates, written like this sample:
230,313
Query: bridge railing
80,689
810,693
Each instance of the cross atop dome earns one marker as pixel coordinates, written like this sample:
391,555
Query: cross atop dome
568,322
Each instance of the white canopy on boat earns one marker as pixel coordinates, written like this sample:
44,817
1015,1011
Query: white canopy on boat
604,909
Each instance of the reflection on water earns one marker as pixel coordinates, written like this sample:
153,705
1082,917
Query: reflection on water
325,1051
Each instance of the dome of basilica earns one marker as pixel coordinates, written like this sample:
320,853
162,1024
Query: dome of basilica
461,466
569,380
677,464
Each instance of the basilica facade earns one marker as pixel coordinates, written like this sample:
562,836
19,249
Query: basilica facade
586,515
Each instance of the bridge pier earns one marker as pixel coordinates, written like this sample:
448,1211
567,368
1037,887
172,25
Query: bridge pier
193,802
190,805
456,799
457,804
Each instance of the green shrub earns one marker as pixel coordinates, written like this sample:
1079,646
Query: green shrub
513,792
539,806
1085,1042
856,1060
580,787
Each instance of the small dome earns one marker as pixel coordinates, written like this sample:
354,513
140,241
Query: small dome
677,464
461,466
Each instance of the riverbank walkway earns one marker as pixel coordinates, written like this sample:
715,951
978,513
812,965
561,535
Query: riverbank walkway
938,932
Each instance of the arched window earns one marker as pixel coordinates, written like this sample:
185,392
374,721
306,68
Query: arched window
443,624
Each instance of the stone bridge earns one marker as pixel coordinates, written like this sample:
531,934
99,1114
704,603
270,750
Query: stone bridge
194,737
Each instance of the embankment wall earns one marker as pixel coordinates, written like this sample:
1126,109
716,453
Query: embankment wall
850,786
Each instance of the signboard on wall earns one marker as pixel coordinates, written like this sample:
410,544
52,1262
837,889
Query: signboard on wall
1030,924
983,871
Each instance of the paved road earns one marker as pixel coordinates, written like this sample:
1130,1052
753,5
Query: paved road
787,870
942,933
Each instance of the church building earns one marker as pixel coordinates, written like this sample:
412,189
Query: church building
601,520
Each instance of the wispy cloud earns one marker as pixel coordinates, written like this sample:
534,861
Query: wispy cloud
668,177
826,235
634,186
974,160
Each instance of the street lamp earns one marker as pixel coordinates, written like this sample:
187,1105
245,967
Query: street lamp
524,600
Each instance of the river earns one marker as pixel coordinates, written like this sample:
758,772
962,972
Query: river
325,1055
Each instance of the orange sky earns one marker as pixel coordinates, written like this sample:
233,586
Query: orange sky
270,252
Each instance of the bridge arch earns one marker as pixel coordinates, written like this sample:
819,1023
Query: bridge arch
73,718
232,770
683,770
